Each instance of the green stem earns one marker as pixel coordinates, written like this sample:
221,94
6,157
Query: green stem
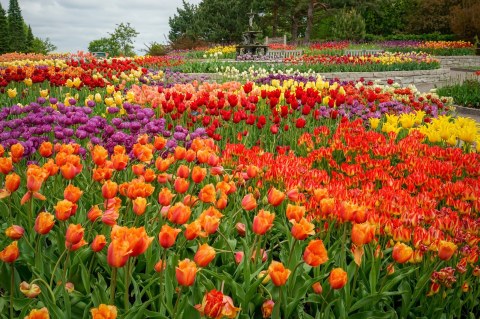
30,214
164,254
56,265
12,283
113,285
291,252
52,295
127,284
177,302
226,241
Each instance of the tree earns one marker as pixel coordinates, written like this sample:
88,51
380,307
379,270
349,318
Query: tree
42,46
123,36
464,20
104,45
29,40
15,28
183,23
3,31
120,42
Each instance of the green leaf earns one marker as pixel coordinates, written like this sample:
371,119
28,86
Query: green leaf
374,315
371,300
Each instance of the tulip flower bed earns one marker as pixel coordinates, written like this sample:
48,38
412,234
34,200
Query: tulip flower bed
288,197
325,63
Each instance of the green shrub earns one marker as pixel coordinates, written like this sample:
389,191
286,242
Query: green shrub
465,94
157,49
348,25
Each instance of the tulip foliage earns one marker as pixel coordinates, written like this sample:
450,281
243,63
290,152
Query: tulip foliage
292,199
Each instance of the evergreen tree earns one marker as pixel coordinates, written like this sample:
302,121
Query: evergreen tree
30,39
15,28
3,31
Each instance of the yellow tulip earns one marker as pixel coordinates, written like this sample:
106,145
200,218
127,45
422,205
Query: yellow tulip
12,93
44,93
374,122
109,101
98,98
28,82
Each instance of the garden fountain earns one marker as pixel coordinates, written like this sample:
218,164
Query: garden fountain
250,44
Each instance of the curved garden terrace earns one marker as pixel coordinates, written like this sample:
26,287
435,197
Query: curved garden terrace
128,189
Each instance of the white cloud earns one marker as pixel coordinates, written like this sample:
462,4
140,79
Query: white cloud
72,24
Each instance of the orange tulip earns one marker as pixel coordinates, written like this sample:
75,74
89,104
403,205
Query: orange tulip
302,229
159,143
317,288
118,252
109,189
138,169
179,213
183,171
99,155
69,170
362,233
168,236
139,206
50,167
101,174
249,202
278,273
14,232
190,155
12,182
29,290
44,223
275,197
149,175
160,266
72,193
119,161
446,249
262,222
165,197
315,253
163,164
190,200
139,241
208,194
46,149
94,213
295,212
16,151
193,230
179,153
267,308
222,201
210,224
6,165
338,278
104,312
10,253
110,216
204,255
185,272
402,253
181,185
212,305
198,174
64,209
74,234
38,314
98,243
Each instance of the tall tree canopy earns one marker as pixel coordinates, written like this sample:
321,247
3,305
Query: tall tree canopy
224,20
3,31
16,31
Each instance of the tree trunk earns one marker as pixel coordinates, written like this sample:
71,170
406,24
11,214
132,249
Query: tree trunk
309,28
275,19
294,29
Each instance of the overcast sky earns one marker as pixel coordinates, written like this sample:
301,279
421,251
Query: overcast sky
72,24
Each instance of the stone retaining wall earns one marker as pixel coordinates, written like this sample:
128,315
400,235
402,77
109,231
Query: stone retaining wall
401,77
459,61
